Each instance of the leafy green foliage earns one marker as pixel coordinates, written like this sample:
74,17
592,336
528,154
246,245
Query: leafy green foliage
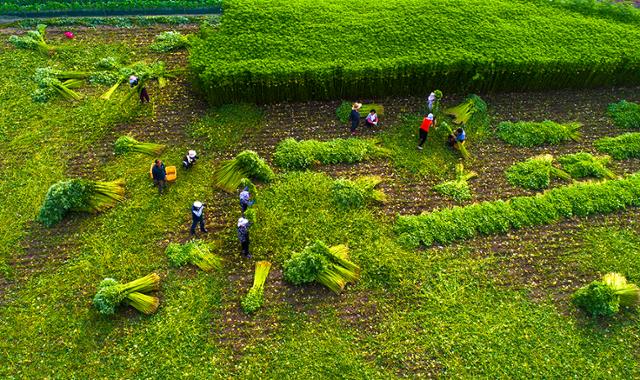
20,7
126,144
457,189
111,293
604,298
471,113
530,134
33,40
625,114
582,165
489,218
535,173
79,195
227,125
349,194
247,164
620,147
317,262
255,297
121,22
299,155
50,84
169,41
196,252
269,53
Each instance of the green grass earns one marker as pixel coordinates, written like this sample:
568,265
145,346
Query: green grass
227,125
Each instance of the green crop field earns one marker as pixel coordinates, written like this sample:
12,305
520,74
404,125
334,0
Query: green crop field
20,7
386,261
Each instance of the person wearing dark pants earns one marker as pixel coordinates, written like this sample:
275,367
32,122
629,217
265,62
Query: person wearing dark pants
197,214
159,176
355,117
245,200
424,129
243,236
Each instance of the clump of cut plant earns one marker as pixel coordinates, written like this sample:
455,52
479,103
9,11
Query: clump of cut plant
625,114
348,194
247,164
52,82
581,165
196,252
604,298
125,144
33,40
328,266
457,189
620,147
169,41
79,195
112,293
143,71
299,155
530,134
535,173
255,297
344,110
472,113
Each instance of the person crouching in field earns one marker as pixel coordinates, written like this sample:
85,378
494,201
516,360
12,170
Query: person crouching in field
457,137
427,122
144,96
355,117
372,119
189,159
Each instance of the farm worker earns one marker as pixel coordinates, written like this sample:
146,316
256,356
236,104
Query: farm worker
372,119
134,81
197,214
189,159
424,129
430,100
355,117
243,236
245,201
159,176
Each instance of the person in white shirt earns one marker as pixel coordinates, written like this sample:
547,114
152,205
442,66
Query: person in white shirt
372,119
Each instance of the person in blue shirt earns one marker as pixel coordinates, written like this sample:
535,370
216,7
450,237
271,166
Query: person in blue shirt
245,199
243,236
355,117
159,176
197,215
458,137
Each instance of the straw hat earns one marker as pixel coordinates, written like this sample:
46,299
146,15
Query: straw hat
197,204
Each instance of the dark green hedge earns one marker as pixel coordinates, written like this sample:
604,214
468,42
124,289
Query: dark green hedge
297,50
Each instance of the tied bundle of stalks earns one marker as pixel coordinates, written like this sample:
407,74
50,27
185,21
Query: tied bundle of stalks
581,165
472,113
535,173
145,72
111,293
51,82
33,40
126,144
247,164
328,266
457,189
79,195
604,298
196,252
255,297
347,193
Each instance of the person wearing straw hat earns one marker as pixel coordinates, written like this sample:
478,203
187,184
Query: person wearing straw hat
355,117
189,159
197,215
427,122
243,236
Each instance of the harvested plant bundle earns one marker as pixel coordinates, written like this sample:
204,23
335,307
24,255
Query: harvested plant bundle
457,189
111,293
247,164
126,144
169,41
255,298
79,195
51,82
347,193
145,72
620,147
447,225
195,252
33,40
472,113
529,134
344,110
298,155
317,262
581,165
604,298
625,114
535,173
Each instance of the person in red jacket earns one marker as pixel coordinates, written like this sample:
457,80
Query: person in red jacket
427,122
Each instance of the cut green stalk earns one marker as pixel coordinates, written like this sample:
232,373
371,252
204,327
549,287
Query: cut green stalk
143,303
126,144
111,293
195,252
255,297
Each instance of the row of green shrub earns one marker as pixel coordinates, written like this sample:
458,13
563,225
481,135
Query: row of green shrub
18,7
620,147
529,134
625,114
296,50
487,218
297,155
